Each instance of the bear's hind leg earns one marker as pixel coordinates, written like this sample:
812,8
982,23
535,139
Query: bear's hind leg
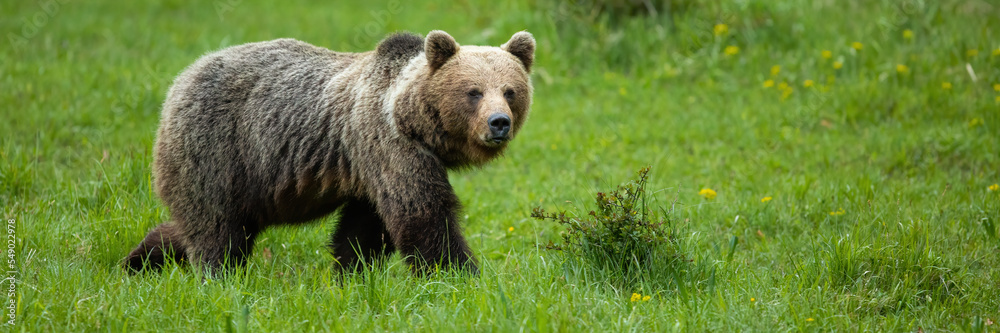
162,243
225,247
360,236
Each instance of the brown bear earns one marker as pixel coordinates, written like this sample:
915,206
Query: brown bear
284,132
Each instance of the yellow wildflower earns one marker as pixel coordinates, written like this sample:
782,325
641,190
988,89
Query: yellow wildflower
765,199
753,299
768,83
994,187
783,86
996,86
511,229
972,53
775,70
827,54
635,297
908,34
732,50
838,64
646,298
707,193
721,29
808,83
787,93
946,85
809,319
975,122
857,46
902,69
839,212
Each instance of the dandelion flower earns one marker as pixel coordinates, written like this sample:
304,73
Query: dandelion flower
809,319
902,69
908,34
775,70
946,85
765,199
732,50
768,83
721,29
785,93
972,53
808,83
838,64
511,229
975,122
786,90
751,298
994,187
827,54
707,193
857,46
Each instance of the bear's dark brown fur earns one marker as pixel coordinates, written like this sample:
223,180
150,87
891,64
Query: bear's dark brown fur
283,132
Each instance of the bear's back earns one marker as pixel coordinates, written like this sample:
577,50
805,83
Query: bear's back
231,74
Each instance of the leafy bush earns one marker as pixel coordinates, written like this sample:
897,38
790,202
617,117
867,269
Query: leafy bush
622,239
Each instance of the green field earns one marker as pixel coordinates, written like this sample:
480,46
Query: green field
873,127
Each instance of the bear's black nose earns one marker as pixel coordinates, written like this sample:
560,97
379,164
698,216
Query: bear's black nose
499,126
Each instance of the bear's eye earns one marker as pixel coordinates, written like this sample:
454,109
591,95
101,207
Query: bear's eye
509,94
475,94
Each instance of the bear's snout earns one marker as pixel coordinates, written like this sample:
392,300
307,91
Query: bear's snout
499,127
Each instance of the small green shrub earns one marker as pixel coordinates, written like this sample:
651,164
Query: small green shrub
622,239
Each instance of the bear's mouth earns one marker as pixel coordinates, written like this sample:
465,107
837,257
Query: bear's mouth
494,141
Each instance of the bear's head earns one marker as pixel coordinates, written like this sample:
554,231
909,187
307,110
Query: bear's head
481,94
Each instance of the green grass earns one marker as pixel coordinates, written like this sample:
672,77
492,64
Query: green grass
880,220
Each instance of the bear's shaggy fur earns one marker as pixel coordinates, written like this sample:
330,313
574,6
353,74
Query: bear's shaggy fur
283,132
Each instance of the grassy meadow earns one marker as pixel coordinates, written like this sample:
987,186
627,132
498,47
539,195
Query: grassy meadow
826,165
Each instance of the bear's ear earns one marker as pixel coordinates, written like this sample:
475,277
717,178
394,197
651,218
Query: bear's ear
522,46
439,47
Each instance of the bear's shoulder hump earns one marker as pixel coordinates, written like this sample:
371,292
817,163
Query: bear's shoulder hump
400,45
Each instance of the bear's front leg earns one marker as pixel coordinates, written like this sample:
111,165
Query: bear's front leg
420,210
361,236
